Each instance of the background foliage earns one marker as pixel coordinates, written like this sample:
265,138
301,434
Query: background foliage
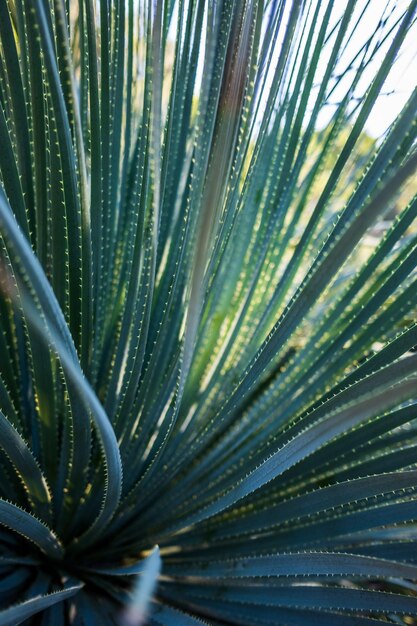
207,314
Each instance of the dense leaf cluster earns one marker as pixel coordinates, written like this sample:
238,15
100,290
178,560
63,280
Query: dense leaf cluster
208,292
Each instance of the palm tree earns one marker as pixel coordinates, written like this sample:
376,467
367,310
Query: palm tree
207,314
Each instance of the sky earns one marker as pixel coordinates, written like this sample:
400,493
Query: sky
403,75
400,83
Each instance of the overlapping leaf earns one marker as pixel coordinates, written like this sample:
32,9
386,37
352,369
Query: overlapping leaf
207,314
